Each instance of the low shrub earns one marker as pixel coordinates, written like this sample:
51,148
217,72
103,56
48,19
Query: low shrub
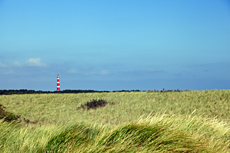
7,116
93,104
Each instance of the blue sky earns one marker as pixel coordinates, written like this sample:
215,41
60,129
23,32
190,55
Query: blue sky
115,45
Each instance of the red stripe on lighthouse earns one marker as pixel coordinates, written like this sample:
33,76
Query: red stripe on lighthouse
58,83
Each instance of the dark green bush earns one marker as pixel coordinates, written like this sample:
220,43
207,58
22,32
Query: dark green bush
93,104
7,116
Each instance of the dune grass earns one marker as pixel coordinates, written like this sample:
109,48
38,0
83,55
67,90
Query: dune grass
188,121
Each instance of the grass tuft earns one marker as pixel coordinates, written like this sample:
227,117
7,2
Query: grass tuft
71,138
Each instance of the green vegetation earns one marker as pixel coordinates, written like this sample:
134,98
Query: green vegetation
187,121
7,116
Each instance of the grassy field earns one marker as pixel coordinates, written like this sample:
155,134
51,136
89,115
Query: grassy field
187,121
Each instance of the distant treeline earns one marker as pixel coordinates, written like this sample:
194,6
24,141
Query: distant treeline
25,91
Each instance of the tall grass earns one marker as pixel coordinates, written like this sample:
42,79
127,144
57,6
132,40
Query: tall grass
189,121
159,133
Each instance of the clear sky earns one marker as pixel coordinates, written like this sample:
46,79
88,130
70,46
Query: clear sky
115,44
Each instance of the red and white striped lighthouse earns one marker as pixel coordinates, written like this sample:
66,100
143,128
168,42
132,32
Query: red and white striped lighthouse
58,83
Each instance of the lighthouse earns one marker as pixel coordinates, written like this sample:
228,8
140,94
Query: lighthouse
58,83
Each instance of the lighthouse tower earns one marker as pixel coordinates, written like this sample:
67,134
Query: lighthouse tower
58,83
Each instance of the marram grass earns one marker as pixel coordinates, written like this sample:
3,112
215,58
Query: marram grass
160,133
138,122
129,106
